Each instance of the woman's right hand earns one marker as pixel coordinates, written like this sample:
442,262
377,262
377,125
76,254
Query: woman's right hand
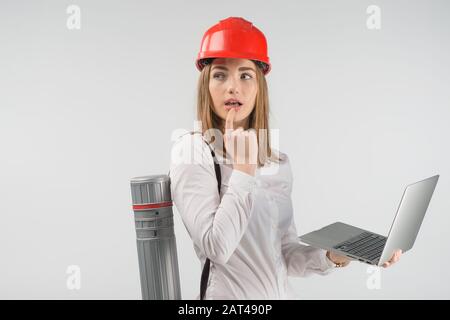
241,145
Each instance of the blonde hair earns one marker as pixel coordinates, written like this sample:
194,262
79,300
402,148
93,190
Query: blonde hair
258,118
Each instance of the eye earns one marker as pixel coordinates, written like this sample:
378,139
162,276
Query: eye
246,76
218,75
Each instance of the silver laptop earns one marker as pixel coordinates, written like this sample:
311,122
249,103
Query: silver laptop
372,248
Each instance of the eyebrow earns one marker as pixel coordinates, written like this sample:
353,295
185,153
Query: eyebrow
240,69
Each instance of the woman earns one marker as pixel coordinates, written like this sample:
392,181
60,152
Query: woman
247,232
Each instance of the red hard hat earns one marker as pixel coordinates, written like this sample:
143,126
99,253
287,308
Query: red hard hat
234,38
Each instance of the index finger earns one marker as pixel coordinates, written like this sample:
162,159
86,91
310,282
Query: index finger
230,119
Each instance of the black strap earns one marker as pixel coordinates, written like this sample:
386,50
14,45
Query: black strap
205,272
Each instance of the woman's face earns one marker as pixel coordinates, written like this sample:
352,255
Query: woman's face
233,84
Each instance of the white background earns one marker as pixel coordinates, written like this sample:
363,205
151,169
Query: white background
361,113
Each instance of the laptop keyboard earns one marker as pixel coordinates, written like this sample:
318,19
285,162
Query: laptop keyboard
365,245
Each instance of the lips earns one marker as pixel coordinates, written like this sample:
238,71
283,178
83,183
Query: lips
233,103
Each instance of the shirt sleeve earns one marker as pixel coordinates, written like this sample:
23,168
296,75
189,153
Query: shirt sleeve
215,225
301,260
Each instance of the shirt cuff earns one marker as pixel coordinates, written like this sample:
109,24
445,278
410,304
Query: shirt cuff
242,180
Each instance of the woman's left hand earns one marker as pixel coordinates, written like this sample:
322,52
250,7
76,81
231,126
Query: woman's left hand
395,257
338,259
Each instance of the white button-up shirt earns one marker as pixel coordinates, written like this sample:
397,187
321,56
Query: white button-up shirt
248,232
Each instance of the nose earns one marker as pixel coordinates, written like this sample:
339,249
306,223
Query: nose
233,85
